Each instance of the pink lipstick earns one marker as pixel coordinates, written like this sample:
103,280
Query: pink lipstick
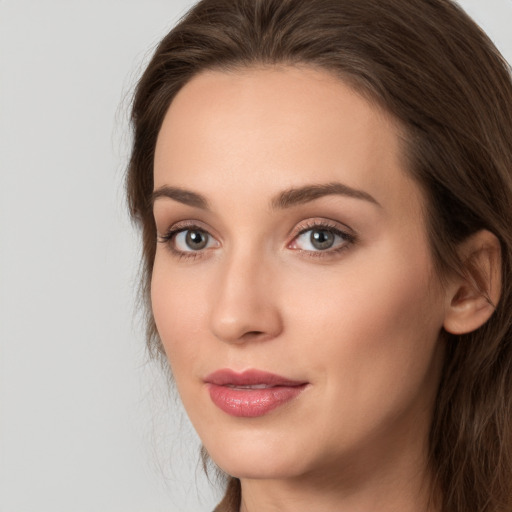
251,393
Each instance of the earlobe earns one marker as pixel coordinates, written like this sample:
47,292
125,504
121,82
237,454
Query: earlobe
474,295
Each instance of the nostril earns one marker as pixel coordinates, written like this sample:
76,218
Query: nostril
235,320
253,334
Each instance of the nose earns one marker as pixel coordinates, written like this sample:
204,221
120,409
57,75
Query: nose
245,305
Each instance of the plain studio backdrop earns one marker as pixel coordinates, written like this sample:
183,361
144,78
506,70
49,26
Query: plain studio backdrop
85,424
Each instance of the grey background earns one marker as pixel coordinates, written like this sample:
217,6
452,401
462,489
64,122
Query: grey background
85,424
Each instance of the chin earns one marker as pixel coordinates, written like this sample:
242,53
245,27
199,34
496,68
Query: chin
259,469
258,460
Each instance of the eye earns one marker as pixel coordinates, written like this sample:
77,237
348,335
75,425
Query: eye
320,238
188,241
192,240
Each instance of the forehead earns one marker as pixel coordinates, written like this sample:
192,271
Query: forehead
278,127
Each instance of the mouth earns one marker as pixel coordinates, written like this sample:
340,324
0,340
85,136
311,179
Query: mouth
255,386
251,393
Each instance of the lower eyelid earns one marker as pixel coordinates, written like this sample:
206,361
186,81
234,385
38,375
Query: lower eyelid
325,255
346,240
345,237
169,242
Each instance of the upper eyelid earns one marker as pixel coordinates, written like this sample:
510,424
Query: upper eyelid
347,235
317,225
298,229
184,225
169,239
310,224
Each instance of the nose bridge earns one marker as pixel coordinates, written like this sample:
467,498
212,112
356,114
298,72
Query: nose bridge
245,306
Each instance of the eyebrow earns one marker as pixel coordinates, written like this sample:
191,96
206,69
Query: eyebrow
181,195
286,199
301,195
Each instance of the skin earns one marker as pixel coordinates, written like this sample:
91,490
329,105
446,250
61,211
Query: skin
360,322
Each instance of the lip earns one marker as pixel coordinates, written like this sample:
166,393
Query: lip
251,393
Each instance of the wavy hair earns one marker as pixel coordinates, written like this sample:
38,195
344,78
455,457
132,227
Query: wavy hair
432,68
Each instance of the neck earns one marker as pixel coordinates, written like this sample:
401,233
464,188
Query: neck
387,478
384,493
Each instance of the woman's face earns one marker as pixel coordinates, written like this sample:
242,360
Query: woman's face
293,287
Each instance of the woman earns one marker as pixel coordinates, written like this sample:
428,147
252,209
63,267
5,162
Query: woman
324,193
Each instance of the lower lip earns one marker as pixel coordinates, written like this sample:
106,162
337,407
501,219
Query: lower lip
251,403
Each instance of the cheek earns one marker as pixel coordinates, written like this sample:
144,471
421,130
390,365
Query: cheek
371,331
179,308
365,294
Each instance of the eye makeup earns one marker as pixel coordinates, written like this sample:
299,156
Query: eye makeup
188,240
317,238
326,238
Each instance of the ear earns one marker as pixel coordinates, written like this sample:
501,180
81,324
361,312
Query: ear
473,295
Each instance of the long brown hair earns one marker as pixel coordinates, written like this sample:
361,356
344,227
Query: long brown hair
429,65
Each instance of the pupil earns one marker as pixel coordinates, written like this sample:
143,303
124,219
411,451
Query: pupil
196,240
322,239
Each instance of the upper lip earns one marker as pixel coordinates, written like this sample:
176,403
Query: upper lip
228,377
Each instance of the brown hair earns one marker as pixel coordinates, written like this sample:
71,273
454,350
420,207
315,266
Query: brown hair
429,65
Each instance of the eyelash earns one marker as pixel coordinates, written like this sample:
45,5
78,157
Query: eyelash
323,225
169,237
320,225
